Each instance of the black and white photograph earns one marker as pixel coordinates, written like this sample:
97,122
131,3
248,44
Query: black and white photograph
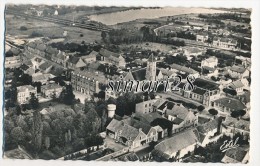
127,83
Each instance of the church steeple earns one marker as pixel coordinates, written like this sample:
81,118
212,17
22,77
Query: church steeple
151,69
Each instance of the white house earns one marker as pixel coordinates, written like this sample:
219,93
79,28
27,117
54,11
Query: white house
24,93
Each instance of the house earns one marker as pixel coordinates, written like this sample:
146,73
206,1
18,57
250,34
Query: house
60,58
183,70
145,106
210,131
227,104
41,77
232,126
75,62
45,67
238,86
244,98
180,116
238,72
209,71
162,125
92,57
225,43
210,62
12,61
112,58
177,146
236,155
36,62
131,132
50,90
204,92
202,37
24,93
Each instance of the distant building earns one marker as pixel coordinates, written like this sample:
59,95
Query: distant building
92,57
224,43
112,58
145,106
210,62
75,62
51,89
202,37
12,61
24,93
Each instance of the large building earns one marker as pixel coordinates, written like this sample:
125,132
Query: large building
24,93
49,90
224,43
87,82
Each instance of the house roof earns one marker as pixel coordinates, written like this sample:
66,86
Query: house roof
209,126
237,154
74,59
114,125
177,142
147,118
231,103
51,86
25,88
129,132
236,84
244,98
106,53
137,124
17,153
237,123
45,66
51,50
24,67
209,68
211,59
183,69
238,69
205,84
199,91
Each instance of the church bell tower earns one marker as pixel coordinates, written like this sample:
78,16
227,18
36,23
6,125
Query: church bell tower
151,69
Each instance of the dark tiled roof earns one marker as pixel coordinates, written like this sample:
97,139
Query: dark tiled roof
177,142
205,84
24,67
238,69
209,126
45,66
237,154
74,59
199,91
106,53
231,103
137,124
183,69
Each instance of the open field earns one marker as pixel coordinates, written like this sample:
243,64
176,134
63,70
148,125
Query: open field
48,29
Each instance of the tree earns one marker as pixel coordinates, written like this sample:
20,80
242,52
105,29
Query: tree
238,113
34,102
23,28
213,112
67,96
17,134
37,129
201,108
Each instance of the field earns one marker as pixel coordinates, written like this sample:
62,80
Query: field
48,29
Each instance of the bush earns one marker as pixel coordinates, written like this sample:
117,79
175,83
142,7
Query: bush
213,112
23,28
201,108
238,113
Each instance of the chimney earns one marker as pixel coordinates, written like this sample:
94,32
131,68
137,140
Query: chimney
140,129
229,101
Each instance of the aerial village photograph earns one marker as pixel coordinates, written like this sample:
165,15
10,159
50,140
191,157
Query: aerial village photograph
147,84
